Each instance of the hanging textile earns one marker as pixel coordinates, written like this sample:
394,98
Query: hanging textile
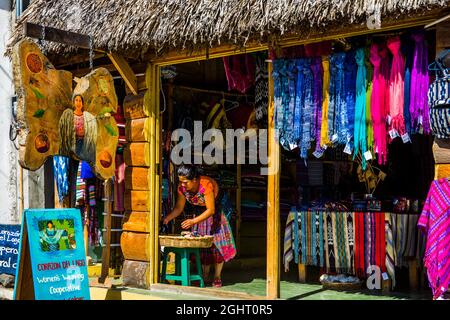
288,253
317,70
299,101
240,72
342,229
390,252
86,171
61,173
337,113
435,224
408,52
360,265
396,87
350,90
369,88
311,238
419,84
360,134
278,105
119,183
378,58
324,138
80,187
261,91
305,143
291,73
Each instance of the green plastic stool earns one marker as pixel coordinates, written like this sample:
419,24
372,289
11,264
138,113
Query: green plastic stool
182,266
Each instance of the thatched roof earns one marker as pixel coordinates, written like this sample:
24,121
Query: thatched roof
136,26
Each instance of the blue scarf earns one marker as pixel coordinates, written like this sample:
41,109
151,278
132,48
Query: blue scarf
360,109
61,173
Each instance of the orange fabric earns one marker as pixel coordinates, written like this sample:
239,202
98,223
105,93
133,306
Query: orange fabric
207,185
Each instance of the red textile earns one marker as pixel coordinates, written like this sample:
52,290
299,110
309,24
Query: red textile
360,268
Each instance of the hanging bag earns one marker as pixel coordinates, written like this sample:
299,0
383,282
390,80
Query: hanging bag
439,99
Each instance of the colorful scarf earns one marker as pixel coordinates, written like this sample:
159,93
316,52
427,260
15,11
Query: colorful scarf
396,86
360,109
419,84
324,138
350,89
299,101
390,252
377,101
408,51
342,222
435,223
306,123
317,70
360,265
288,254
61,173
369,86
337,98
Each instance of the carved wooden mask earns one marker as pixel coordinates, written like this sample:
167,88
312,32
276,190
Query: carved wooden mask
55,120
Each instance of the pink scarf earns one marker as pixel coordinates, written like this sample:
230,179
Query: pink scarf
378,101
396,84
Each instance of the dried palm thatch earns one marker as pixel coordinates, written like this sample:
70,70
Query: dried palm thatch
134,27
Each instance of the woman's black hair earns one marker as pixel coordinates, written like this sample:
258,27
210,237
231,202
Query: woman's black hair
78,95
189,171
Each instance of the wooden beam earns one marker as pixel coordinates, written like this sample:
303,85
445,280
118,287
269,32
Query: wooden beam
125,71
184,56
273,202
85,71
33,30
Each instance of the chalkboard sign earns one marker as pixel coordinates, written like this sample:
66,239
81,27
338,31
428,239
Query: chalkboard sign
52,264
9,248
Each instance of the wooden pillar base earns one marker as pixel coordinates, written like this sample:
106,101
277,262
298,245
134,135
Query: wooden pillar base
301,273
413,275
386,286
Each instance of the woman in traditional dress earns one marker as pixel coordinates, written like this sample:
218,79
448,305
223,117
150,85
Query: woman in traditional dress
78,132
50,237
203,193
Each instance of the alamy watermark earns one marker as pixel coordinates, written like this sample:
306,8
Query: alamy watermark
237,147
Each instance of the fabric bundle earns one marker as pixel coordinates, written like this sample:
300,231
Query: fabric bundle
362,98
61,173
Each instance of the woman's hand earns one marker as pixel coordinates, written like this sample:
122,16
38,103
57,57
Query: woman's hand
166,220
186,224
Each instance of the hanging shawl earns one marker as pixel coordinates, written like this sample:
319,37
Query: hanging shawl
337,98
299,101
61,173
261,92
291,72
377,102
350,89
278,106
396,83
324,138
369,84
408,52
305,143
317,70
360,109
285,100
419,84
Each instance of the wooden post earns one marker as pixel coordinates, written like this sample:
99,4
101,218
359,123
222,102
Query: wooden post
106,252
413,275
150,79
158,174
273,202
238,209
301,273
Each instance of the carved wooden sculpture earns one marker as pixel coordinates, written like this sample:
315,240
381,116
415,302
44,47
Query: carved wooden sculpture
56,120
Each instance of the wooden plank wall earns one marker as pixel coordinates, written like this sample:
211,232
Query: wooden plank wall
136,231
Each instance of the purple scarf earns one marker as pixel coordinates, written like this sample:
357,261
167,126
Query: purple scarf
419,84
316,67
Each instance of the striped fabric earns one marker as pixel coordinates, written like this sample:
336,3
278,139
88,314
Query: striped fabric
390,252
435,223
81,185
288,254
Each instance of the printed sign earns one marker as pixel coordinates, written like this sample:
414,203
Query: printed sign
54,244
9,248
